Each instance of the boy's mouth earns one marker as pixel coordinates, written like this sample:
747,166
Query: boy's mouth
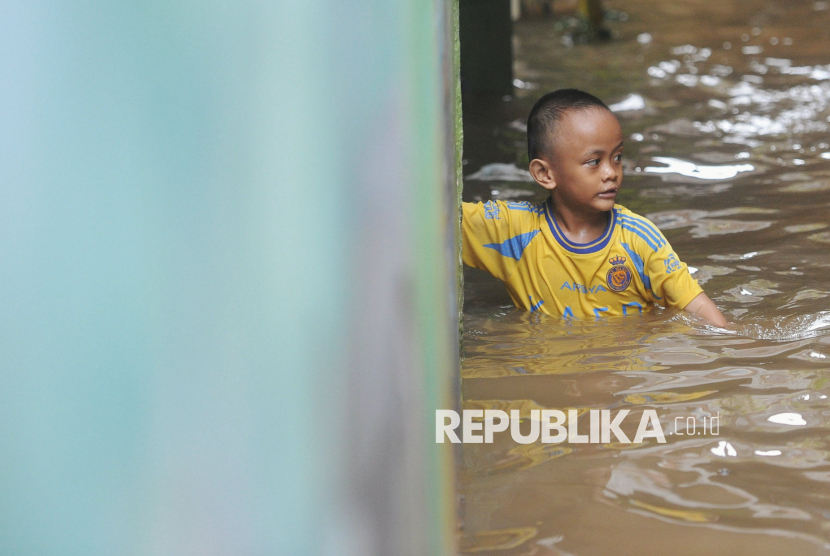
609,193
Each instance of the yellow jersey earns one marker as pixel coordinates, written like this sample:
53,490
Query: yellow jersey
627,270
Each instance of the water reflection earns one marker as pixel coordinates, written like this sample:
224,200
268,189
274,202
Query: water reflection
501,172
684,168
707,223
632,103
727,110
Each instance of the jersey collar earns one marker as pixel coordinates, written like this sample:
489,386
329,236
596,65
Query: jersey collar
580,248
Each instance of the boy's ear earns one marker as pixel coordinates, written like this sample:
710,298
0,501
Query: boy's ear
542,172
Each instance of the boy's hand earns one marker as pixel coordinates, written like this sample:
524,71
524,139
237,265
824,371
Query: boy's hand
702,306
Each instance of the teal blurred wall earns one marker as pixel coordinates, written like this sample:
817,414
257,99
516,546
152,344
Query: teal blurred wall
227,277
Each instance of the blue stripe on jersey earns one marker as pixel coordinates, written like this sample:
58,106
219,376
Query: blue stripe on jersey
491,210
626,226
580,248
515,246
640,266
625,307
645,227
525,205
649,225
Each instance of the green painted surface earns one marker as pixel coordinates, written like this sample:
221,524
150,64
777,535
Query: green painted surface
186,188
459,156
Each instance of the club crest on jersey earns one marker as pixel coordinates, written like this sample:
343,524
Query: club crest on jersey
619,276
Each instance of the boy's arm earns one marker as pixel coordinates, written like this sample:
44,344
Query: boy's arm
704,307
671,280
489,239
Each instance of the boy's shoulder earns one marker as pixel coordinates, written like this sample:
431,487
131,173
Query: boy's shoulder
638,228
619,209
506,210
496,208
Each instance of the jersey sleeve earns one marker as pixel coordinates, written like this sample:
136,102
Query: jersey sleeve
669,276
492,239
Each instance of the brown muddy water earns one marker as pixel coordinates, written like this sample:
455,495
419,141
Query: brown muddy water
725,107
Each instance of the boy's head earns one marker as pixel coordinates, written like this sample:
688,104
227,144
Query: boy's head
547,113
575,148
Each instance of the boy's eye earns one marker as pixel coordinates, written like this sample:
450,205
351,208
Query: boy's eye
593,162
618,158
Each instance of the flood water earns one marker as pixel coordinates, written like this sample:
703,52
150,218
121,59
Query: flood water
725,107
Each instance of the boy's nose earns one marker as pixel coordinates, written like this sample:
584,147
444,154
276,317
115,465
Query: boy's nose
609,172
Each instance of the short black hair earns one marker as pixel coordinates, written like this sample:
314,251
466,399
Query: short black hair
548,111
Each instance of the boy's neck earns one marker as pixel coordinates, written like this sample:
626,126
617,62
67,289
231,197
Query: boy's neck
579,226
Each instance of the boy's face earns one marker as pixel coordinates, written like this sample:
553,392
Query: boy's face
585,170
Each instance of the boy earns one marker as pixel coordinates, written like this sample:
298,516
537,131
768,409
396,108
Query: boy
578,254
